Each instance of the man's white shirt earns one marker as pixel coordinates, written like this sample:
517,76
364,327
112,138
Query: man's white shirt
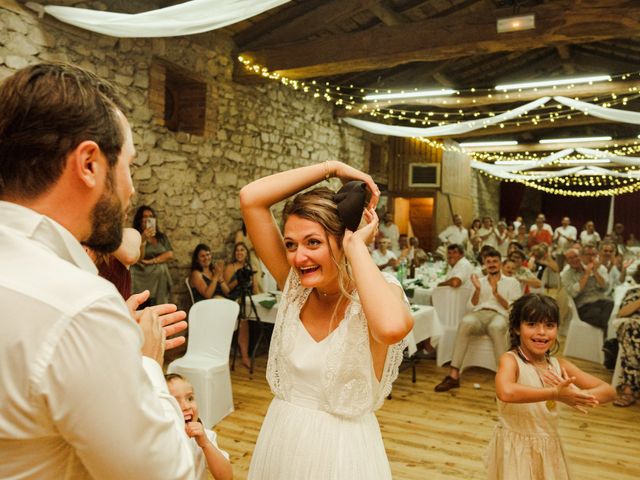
462,270
453,234
76,400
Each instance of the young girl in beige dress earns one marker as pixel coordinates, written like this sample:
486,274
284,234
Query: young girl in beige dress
529,385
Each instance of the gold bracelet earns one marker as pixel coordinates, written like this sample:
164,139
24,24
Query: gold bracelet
326,170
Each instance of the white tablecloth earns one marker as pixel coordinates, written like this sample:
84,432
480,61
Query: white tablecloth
267,315
426,324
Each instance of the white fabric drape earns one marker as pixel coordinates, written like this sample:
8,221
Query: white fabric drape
506,175
196,16
613,114
609,156
443,130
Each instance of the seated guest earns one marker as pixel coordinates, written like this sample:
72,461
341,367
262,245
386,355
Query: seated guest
403,244
522,235
488,233
616,267
414,251
618,238
629,345
541,260
491,299
503,238
563,237
513,246
632,241
587,282
589,234
454,234
524,275
508,267
460,269
473,253
152,272
390,231
241,280
384,258
540,232
206,280
476,224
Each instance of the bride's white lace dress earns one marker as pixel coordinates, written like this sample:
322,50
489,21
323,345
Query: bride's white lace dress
321,424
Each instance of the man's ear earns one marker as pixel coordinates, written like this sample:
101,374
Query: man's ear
88,163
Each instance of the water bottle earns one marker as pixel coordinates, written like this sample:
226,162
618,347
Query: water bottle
401,272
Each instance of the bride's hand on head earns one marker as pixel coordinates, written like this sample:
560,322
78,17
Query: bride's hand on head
365,234
347,173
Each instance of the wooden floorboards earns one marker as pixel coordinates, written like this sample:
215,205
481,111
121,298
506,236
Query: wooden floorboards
443,436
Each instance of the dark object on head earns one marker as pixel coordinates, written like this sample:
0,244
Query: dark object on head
351,199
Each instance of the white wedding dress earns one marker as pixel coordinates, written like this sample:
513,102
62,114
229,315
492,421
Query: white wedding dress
321,424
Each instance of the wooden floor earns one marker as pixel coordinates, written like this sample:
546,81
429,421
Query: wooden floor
444,435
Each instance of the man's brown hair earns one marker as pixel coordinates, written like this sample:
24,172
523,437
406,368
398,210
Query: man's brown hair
46,111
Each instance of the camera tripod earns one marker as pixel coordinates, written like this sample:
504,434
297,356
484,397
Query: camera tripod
243,298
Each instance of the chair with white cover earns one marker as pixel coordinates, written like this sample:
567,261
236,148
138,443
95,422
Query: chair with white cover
583,341
206,363
190,290
451,304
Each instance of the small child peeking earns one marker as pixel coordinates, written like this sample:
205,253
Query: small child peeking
206,453
529,383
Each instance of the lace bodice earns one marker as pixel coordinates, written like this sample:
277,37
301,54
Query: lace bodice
348,380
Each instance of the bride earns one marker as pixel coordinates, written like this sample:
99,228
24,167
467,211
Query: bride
337,342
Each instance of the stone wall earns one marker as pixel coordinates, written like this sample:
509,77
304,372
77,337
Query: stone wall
191,181
486,196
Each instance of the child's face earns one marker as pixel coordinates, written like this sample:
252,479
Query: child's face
537,338
182,391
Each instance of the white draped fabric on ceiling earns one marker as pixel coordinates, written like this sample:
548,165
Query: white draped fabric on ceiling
512,172
187,18
613,114
445,130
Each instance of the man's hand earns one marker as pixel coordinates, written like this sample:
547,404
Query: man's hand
475,281
170,318
154,336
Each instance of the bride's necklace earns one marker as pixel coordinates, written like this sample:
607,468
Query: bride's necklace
550,404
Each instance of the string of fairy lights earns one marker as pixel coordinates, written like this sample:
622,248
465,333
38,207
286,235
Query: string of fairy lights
351,97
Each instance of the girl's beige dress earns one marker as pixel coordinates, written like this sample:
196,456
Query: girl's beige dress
525,443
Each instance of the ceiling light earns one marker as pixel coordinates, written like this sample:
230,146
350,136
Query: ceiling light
552,83
504,143
515,162
575,140
516,24
416,94
576,161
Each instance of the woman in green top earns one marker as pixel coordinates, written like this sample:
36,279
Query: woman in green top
152,272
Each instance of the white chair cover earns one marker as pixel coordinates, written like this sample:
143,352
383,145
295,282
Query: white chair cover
451,304
480,354
206,363
583,340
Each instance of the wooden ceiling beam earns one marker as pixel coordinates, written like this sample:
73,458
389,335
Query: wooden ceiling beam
537,147
439,39
470,101
387,15
307,23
